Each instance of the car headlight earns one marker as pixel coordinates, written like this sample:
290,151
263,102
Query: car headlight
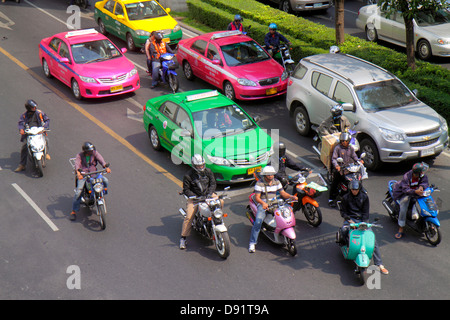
132,73
284,75
246,82
142,33
219,161
88,79
444,126
443,41
391,135
177,28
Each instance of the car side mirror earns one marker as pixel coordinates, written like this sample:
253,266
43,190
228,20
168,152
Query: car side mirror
120,17
123,50
185,133
415,91
216,62
348,107
64,60
256,119
168,10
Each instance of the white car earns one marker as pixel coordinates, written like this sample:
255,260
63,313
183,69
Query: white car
431,30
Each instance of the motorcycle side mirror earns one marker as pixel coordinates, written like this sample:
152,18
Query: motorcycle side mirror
363,155
107,165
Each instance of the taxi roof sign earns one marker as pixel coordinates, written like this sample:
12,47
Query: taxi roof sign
198,96
226,34
80,32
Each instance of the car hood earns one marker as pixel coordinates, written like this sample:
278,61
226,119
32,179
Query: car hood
251,143
107,68
414,118
259,70
159,23
441,30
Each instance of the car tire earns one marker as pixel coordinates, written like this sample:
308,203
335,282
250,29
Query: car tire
76,90
424,50
285,5
154,138
372,160
301,120
131,46
188,71
46,69
101,27
228,90
371,33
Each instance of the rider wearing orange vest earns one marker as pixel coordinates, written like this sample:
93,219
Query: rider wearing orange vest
157,48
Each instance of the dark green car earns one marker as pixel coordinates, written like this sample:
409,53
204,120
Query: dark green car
208,123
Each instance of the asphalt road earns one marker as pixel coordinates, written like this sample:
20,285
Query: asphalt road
137,256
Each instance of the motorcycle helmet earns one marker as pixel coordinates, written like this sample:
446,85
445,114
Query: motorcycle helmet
268,171
354,185
30,105
345,136
158,37
420,168
198,163
273,26
335,49
88,147
237,17
336,111
282,149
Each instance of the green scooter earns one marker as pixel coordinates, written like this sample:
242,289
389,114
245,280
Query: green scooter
359,247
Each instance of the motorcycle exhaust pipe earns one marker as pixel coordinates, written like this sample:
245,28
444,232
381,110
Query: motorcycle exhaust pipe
183,213
316,150
387,206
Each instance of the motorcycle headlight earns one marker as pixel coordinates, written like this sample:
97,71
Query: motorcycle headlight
218,213
142,33
284,75
98,187
219,161
391,135
246,82
285,212
87,79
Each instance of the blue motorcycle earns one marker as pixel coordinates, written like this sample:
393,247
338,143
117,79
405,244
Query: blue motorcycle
421,215
167,72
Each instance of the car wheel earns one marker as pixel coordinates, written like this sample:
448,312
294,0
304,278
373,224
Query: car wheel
76,90
188,71
424,50
130,42
228,90
101,27
372,160
46,69
286,6
302,123
371,33
154,138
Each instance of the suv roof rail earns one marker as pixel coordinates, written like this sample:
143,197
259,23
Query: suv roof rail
328,69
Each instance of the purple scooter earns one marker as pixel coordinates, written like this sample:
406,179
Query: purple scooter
278,226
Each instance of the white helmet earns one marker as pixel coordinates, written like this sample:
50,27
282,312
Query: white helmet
268,171
334,49
198,163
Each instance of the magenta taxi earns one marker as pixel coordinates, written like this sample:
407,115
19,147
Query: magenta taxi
234,63
89,63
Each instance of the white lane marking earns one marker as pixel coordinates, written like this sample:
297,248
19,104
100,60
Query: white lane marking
35,207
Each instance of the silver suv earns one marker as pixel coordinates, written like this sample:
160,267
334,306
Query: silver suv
291,6
393,124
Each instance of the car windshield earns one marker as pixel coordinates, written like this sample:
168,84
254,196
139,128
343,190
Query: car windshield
94,51
383,95
222,121
144,10
241,53
432,18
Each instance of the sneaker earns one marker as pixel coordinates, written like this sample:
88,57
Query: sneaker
251,248
21,167
183,243
73,216
383,270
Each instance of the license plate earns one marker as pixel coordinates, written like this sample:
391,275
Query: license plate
427,152
252,170
317,5
271,91
116,89
166,40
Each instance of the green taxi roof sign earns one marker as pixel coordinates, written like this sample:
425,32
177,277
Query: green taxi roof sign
203,95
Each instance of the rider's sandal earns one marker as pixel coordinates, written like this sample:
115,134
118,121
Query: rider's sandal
399,235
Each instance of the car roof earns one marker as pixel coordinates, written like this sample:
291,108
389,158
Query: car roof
355,70
83,35
199,100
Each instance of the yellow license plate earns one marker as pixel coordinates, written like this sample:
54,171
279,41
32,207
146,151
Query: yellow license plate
116,89
271,91
166,40
252,170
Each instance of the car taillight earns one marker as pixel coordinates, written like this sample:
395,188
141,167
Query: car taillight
290,82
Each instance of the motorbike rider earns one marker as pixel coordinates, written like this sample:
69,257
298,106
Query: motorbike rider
354,209
33,117
284,161
148,42
236,24
337,122
273,39
265,189
347,153
157,48
198,182
413,184
86,161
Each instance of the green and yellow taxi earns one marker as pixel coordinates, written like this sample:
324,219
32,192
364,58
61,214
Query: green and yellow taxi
208,123
133,21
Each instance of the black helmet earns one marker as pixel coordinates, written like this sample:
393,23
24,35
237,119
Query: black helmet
336,111
158,36
354,185
282,149
87,146
30,104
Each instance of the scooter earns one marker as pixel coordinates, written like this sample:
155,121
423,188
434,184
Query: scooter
359,247
37,147
421,215
167,72
278,226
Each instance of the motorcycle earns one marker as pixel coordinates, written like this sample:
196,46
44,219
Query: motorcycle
306,192
208,221
353,171
167,72
37,147
359,246
282,55
421,215
94,191
278,226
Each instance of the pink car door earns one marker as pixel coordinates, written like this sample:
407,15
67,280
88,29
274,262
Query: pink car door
198,58
52,56
213,66
64,69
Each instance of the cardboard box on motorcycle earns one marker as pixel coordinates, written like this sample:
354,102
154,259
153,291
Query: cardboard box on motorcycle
326,152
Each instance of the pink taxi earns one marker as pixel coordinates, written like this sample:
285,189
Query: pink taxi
89,63
234,63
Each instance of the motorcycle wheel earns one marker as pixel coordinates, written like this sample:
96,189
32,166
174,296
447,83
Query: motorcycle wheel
222,243
39,168
173,82
433,234
291,246
101,212
312,214
83,4
362,275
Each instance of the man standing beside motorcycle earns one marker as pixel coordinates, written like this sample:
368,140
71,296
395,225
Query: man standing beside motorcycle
354,209
198,182
157,48
273,39
347,153
86,161
265,189
33,117
284,162
413,184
